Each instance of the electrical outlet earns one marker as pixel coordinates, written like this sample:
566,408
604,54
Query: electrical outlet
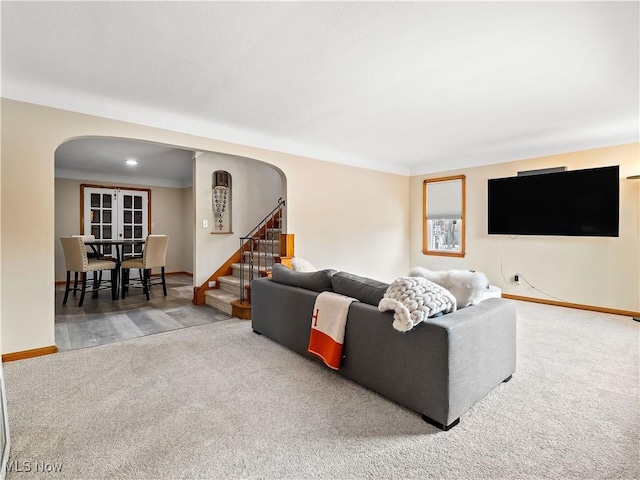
516,279
212,284
205,223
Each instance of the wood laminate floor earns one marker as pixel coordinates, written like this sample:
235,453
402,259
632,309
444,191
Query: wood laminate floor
102,320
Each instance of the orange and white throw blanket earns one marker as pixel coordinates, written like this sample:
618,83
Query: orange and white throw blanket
328,322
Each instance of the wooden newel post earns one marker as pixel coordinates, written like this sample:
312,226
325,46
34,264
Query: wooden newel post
287,248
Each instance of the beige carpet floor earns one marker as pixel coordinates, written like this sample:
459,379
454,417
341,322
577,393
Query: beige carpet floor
217,401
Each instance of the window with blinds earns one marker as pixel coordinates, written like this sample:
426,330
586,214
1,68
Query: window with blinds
443,216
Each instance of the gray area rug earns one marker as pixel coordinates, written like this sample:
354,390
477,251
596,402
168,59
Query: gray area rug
218,401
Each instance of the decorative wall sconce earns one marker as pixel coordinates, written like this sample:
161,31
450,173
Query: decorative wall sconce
221,201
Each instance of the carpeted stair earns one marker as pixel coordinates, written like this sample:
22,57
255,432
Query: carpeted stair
228,287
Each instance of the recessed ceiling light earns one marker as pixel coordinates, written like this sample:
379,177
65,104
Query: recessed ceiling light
131,162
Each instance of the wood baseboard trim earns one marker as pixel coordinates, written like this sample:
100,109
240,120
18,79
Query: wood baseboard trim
591,308
36,352
166,274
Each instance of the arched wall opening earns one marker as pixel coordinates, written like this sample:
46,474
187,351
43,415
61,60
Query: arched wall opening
179,179
320,196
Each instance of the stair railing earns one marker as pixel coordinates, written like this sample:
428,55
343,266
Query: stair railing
261,236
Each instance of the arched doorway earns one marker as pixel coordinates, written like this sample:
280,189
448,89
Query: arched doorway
179,181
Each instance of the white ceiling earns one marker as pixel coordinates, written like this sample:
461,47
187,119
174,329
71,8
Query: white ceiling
402,87
104,159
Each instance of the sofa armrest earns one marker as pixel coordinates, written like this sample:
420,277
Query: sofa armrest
441,367
282,313
482,351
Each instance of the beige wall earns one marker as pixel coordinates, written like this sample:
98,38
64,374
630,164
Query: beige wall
168,211
343,217
602,272
256,188
354,220
347,218
188,222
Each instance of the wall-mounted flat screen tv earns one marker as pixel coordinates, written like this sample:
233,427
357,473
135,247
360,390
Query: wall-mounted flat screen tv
569,203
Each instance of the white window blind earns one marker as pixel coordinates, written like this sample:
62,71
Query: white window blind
444,200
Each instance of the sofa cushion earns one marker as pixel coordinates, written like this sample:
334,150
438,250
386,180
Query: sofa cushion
319,281
364,289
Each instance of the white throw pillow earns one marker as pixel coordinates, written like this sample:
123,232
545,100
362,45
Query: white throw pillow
467,286
300,265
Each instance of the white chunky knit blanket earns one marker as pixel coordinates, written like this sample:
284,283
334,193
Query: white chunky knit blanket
413,299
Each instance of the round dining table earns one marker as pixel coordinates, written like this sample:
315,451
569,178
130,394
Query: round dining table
97,247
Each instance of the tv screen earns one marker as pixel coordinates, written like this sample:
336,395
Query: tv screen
571,203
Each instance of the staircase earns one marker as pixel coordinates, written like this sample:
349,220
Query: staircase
259,250
265,252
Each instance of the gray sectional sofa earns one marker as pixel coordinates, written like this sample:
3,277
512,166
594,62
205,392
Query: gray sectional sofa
439,369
